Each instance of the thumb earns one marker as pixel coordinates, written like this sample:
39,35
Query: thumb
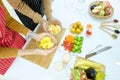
44,52
49,51
52,49
44,25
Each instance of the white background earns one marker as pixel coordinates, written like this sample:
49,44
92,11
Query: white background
65,11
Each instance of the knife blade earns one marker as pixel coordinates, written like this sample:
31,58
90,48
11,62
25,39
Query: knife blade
98,51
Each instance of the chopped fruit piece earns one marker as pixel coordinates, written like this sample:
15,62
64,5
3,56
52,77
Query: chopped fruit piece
107,11
54,29
95,11
107,4
88,32
45,43
102,12
69,38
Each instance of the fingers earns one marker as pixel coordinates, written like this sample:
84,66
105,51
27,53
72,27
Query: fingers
44,25
44,52
52,49
55,41
53,38
54,21
36,37
39,36
58,22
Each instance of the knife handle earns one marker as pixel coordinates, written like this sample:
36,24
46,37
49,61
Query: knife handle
90,55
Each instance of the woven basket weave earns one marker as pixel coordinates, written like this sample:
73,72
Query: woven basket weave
97,16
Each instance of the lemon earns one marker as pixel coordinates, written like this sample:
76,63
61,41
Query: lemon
78,31
81,27
74,26
73,30
78,23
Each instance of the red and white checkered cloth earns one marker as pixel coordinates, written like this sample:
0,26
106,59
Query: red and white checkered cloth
8,38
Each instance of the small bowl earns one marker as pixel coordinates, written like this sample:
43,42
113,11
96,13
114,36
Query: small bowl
48,30
98,16
38,42
75,26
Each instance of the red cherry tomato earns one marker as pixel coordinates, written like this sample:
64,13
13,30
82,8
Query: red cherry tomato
88,32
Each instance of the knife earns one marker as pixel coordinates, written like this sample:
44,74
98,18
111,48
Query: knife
98,51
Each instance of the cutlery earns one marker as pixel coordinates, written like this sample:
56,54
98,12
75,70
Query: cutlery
113,21
98,51
98,46
114,36
116,26
115,31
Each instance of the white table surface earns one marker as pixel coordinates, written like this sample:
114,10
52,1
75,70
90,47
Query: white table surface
25,70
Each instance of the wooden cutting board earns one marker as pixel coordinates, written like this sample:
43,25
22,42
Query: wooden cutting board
41,60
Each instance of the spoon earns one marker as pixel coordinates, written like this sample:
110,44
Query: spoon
115,31
114,36
117,26
113,21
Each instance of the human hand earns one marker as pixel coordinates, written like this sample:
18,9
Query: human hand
38,37
54,21
35,51
50,21
44,25
44,52
39,51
